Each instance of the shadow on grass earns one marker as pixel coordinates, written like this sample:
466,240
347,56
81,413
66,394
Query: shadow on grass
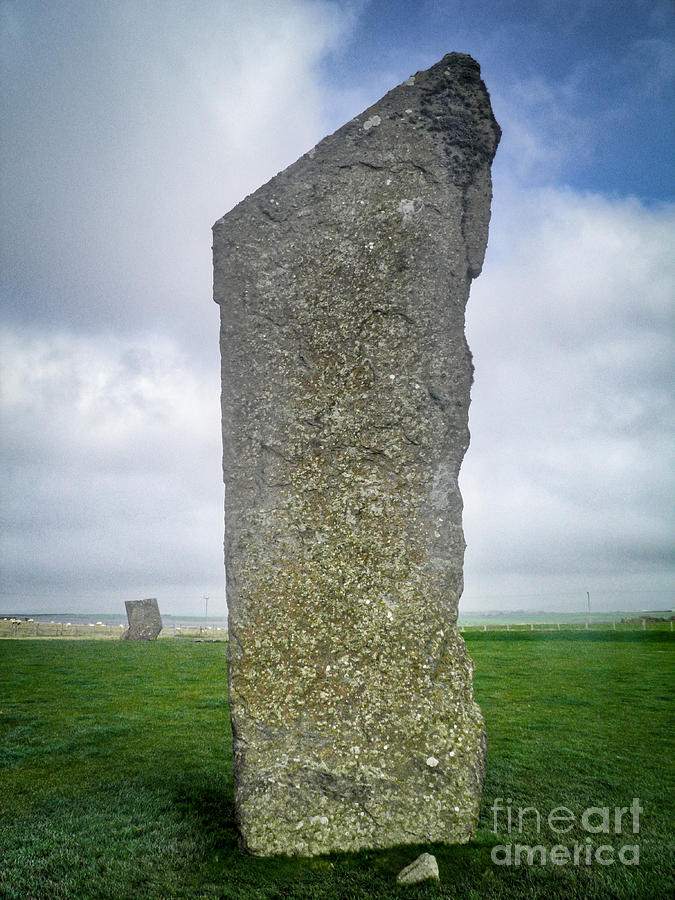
364,873
210,806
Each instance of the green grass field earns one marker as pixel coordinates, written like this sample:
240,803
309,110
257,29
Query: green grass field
115,774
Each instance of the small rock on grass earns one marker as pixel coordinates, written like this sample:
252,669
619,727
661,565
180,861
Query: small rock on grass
425,866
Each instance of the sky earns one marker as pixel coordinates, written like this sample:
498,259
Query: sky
128,128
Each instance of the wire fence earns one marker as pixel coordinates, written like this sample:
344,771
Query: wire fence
644,623
29,628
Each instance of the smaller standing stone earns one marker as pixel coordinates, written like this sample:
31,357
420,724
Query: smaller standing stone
425,866
145,622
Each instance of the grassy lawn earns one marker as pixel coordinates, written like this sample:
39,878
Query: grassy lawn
115,774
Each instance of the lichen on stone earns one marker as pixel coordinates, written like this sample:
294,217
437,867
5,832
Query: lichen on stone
346,377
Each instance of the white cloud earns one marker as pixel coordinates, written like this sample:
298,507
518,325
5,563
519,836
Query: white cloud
130,130
570,468
103,395
111,464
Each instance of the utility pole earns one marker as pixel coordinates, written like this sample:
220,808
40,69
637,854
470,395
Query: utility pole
206,606
588,609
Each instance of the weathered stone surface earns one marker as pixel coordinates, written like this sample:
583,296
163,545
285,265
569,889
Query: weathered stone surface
342,285
145,622
425,866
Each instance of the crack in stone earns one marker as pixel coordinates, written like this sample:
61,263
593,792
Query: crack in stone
361,162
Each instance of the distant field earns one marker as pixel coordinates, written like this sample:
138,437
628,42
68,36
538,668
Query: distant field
116,774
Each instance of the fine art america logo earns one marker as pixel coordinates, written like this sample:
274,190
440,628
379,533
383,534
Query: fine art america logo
596,820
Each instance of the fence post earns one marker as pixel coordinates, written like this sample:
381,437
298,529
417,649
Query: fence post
531,626
508,627
37,629
644,624
558,626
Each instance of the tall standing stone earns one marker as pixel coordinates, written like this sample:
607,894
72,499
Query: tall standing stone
342,285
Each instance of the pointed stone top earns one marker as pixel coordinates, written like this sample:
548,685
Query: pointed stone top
446,107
